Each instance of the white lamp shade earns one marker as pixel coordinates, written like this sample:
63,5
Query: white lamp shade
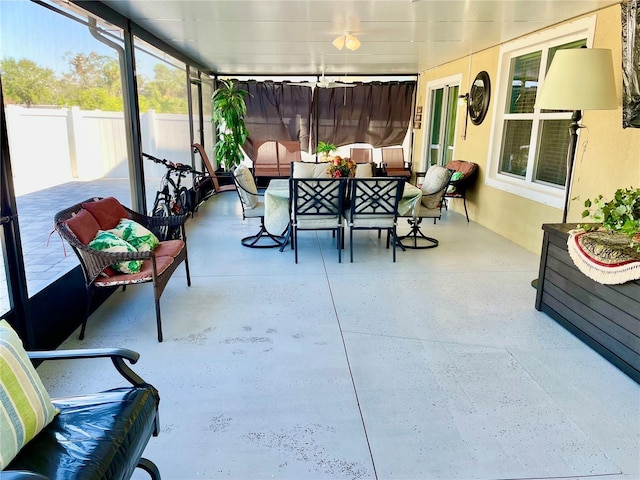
579,79
339,42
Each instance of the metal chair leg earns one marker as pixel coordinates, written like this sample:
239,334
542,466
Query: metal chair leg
158,318
414,235
252,241
149,467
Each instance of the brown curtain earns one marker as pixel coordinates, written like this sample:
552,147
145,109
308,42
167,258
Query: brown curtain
377,113
276,111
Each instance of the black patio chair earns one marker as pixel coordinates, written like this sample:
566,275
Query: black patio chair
374,206
316,204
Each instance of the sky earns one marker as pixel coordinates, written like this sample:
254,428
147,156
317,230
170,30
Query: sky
28,30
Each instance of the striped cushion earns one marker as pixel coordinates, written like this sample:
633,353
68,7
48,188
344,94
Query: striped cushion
25,406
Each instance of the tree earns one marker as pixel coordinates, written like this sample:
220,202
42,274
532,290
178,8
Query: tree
93,82
93,70
26,83
167,92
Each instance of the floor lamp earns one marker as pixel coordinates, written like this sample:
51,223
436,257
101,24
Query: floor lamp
578,79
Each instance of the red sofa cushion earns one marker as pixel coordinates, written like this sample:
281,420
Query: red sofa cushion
107,212
144,275
169,248
84,225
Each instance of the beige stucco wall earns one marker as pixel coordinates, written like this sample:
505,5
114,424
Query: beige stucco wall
610,161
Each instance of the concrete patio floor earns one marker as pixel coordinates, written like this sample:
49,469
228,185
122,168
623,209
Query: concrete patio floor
435,367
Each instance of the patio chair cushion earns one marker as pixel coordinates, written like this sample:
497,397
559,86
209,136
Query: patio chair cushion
144,275
107,211
84,226
364,170
169,248
246,181
165,253
108,242
26,405
95,436
434,180
311,170
139,237
434,184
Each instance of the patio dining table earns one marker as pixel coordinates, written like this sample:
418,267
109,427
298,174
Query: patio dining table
276,204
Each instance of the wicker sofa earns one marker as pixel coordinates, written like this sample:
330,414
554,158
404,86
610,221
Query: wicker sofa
80,223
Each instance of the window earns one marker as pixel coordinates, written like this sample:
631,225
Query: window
66,130
529,146
439,137
164,113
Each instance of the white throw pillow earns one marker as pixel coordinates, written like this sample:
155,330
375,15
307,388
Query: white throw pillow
435,180
246,181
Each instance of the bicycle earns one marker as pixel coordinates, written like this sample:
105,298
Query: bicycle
172,198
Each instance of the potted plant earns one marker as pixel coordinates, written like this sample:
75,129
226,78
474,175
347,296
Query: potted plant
619,215
325,149
229,109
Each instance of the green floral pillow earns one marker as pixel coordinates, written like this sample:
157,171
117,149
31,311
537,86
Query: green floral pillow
108,242
140,238
456,176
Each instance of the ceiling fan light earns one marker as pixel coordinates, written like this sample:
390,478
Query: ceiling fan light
352,42
339,42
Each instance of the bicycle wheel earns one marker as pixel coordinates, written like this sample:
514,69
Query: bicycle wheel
183,202
161,209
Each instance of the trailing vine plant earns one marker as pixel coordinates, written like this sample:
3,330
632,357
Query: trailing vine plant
620,214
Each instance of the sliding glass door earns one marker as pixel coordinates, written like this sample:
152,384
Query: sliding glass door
443,108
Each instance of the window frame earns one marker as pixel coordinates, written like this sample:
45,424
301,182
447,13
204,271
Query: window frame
544,41
441,83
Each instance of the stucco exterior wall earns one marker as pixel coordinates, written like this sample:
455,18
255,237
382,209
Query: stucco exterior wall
611,159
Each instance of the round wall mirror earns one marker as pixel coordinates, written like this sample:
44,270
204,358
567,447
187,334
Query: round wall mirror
479,97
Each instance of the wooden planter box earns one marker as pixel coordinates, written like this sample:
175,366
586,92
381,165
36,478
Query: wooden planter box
605,317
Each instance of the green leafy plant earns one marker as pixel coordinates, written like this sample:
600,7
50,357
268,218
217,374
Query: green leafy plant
326,148
229,109
621,214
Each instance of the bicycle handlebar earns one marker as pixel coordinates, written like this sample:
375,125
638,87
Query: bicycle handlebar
178,167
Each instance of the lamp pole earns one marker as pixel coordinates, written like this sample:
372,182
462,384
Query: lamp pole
571,155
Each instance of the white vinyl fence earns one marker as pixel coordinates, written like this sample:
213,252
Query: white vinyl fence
53,146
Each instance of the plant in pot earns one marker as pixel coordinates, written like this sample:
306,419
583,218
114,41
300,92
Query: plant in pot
619,215
325,149
229,109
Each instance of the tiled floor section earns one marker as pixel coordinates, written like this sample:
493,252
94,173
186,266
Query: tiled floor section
44,255
435,367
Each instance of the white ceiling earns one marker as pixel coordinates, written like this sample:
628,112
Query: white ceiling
253,37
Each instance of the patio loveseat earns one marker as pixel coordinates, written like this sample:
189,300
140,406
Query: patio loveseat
463,177
152,261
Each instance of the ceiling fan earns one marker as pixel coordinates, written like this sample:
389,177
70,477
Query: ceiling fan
324,82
